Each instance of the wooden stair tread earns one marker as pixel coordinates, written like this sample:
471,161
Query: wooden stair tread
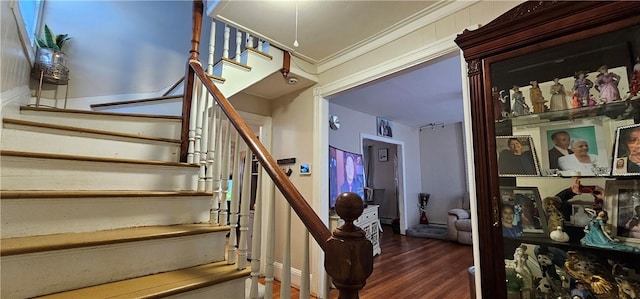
139,101
91,159
161,284
241,65
21,194
254,50
85,130
32,244
88,112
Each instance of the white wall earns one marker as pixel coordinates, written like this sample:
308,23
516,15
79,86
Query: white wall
443,174
354,124
123,47
14,65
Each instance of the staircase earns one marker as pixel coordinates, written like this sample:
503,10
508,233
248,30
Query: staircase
95,203
98,200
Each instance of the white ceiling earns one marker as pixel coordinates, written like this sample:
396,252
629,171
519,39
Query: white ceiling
427,93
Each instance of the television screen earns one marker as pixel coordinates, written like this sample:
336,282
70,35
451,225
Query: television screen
346,174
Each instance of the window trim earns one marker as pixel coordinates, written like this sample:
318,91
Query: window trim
29,50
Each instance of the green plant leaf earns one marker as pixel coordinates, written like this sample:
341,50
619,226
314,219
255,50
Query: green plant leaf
49,38
61,39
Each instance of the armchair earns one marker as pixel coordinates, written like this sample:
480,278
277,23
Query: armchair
459,223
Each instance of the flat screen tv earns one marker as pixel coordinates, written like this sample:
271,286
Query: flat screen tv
346,174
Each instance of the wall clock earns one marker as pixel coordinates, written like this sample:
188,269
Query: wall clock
334,122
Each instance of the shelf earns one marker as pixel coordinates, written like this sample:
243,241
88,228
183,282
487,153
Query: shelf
616,110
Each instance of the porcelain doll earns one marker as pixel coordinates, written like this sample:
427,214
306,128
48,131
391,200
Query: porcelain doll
558,96
634,85
596,234
536,97
581,87
497,103
519,106
607,85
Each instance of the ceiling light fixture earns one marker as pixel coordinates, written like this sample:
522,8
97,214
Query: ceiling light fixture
295,43
432,125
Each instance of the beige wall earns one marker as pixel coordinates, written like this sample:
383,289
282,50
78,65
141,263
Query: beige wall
292,138
481,12
14,64
252,104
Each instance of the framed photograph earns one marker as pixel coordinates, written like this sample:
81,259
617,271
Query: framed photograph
516,156
528,214
573,150
626,154
622,202
384,127
383,155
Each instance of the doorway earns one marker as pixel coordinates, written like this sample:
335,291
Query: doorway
383,176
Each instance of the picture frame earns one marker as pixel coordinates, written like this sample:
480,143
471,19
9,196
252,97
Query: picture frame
516,162
383,154
384,127
529,215
622,202
621,165
591,132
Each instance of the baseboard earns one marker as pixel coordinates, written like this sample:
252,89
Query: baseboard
296,274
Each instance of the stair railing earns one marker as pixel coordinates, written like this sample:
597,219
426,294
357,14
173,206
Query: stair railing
208,121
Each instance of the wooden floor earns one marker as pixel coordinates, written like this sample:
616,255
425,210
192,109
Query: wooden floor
414,268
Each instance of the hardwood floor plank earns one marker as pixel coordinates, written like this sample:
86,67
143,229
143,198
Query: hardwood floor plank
414,268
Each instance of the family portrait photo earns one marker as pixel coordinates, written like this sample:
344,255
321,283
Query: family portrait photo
521,211
627,151
384,127
516,156
574,151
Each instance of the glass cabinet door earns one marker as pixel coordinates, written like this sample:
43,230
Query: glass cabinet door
567,145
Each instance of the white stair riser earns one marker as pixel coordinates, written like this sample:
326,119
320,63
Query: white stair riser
36,274
233,289
43,216
84,144
154,127
20,173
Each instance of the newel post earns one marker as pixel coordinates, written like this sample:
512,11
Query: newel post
349,255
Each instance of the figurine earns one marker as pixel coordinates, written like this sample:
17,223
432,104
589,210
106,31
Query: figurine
504,99
558,96
627,289
634,85
559,235
551,210
498,111
520,258
581,87
607,85
547,267
597,236
519,106
536,97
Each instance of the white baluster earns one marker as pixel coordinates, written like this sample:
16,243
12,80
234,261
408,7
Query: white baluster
215,112
204,143
199,153
285,282
256,239
226,159
260,45
245,204
249,43
217,167
214,211
305,283
225,49
270,246
192,123
235,200
212,48
238,44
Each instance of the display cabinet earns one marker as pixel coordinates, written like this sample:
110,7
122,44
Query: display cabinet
555,104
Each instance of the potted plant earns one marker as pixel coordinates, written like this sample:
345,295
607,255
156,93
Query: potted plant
51,61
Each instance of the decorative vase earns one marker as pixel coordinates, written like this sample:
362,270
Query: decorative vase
51,65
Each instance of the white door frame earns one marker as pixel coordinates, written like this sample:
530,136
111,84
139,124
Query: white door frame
402,209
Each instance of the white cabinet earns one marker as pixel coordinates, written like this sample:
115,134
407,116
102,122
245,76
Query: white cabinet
368,221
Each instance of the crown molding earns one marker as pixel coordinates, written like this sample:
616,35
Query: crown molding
421,19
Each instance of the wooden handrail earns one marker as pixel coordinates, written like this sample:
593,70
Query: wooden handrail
350,254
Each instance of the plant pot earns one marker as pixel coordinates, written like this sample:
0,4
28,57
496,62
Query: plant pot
52,65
